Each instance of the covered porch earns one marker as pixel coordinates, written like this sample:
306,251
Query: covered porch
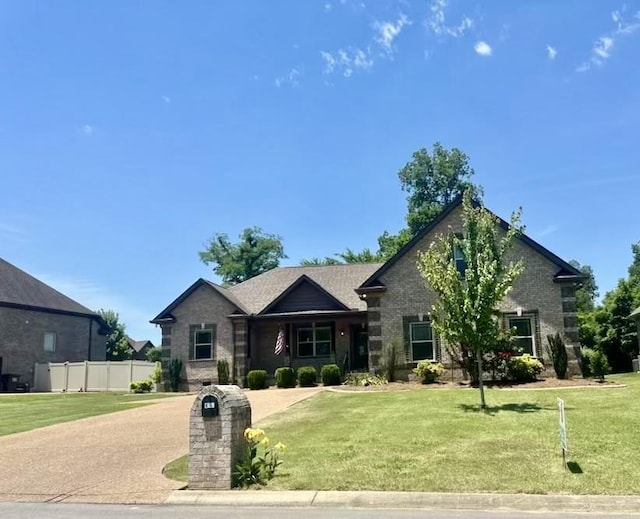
311,339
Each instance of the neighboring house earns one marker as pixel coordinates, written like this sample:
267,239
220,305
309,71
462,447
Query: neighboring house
346,313
139,348
636,316
39,324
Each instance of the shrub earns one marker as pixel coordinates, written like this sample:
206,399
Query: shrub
330,375
598,364
558,354
141,386
156,374
257,379
392,358
584,360
307,376
428,371
223,371
153,354
175,374
260,462
285,377
524,368
365,379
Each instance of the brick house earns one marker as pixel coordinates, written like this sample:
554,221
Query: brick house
39,324
346,313
139,349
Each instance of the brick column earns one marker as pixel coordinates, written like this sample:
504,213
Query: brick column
240,342
216,443
571,330
374,331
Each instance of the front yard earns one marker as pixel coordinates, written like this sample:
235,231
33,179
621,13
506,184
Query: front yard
20,413
437,440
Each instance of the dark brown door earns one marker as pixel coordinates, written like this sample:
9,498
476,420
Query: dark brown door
359,348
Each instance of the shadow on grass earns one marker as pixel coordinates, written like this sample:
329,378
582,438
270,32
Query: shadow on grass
524,407
574,467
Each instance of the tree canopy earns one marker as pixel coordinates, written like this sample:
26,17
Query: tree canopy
464,314
118,347
587,293
255,253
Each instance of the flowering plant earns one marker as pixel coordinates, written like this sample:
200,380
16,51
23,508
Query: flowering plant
260,462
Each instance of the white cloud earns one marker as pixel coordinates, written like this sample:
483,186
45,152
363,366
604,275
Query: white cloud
437,21
552,52
603,45
327,7
388,31
347,61
549,229
87,129
483,48
166,99
290,78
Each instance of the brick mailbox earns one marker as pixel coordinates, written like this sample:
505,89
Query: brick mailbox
219,416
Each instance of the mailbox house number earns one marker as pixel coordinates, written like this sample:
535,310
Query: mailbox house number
209,406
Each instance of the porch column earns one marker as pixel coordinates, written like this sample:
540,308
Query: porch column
374,326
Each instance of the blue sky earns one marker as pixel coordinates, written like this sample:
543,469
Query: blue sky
130,132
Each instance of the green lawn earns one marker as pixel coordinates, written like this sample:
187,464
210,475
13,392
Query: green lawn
437,440
20,413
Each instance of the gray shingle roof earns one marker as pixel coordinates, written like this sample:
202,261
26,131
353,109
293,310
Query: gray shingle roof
138,345
635,313
19,288
339,280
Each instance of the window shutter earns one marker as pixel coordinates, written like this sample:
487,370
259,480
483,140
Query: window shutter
406,332
213,328
192,333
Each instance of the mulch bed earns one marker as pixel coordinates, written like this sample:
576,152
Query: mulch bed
546,383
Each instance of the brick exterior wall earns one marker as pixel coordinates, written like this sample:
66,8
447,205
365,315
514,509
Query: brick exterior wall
22,340
203,306
534,292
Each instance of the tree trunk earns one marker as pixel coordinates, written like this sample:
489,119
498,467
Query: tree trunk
483,404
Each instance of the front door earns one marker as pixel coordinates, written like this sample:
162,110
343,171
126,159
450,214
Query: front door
359,348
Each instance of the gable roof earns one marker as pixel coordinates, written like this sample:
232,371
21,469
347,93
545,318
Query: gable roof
21,290
314,297
138,345
338,281
165,315
566,271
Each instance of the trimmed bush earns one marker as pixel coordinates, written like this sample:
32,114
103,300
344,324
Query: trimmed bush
175,374
307,376
598,364
524,368
428,372
156,374
285,377
330,375
558,354
257,379
141,386
223,372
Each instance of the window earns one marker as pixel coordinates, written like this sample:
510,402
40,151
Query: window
203,344
461,262
50,341
422,343
314,341
524,335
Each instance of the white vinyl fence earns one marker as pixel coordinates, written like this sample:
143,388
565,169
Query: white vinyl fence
91,376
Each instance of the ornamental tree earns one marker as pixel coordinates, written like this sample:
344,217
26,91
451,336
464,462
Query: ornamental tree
466,311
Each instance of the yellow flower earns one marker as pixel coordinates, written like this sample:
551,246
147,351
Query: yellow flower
254,435
264,442
280,447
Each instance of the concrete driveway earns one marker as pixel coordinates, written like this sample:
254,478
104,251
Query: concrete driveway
112,458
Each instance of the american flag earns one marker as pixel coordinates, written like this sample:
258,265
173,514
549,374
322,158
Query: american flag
280,342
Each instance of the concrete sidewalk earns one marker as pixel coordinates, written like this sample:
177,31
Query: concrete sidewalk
416,500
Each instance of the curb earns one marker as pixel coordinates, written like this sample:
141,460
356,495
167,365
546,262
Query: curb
417,500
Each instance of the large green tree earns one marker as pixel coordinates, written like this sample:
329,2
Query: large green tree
255,253
348,256
118,347
431,181
466,307
587,293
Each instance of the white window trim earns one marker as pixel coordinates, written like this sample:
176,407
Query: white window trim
197,344
532,327
313,341
432,341
54,341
